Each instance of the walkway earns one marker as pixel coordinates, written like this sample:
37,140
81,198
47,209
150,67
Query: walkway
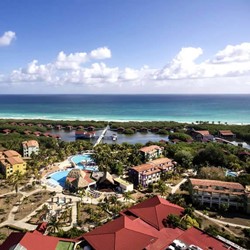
219,221
101,136
10,221
176,187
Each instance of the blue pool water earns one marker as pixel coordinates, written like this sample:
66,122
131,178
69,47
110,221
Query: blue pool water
231,174
59,178
78,159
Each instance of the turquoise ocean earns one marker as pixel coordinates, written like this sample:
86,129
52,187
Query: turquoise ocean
182,108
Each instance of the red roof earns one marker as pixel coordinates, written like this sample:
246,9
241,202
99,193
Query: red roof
202,132
215,183
194,236
154,210
32,241
41,228
122,233
226,132
150,149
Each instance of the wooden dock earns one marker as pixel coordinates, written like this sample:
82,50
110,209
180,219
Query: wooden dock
101,136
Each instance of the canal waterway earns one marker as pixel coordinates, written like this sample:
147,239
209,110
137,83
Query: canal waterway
132,139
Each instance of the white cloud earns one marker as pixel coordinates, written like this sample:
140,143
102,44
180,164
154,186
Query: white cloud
7,38
237,53
71,61
100,53
75,60
229,62
129,74
230,65
182,66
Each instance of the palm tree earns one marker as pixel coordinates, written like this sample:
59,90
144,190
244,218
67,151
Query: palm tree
15,179
64,215
82,193
53,225
162,188
113,199
127,196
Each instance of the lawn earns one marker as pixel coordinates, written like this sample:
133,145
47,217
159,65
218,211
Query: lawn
65,245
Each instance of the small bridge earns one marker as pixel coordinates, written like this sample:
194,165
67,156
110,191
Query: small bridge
218,139
101,136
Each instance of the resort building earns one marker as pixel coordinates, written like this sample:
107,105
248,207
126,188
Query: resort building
10,162
6,131
217,193
78,179
30,147
139,227
151,152
202,135
226,134
150,172
123,185
81,134
165,164
36,240
144,174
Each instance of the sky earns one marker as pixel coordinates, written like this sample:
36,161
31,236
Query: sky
124,46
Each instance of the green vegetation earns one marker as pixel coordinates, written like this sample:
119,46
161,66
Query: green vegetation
187,219
215,230
65,245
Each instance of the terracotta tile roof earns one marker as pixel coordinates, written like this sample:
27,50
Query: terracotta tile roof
79,178
194,236
150,148
122,233
143,167
161,161
226,132
141,231
11,153
154,210
149,172
33,241
202,132
211,183
31,143
15,160
7,130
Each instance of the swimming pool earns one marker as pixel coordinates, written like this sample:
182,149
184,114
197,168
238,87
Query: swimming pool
79,159
84,162
231,173
59,177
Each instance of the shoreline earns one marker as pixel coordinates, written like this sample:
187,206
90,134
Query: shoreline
212,122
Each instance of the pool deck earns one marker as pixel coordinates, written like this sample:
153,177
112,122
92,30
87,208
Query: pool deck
53,168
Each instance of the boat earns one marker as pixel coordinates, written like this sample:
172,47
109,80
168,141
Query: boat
114,137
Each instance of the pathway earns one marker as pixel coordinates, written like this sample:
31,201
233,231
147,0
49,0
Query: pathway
10,221
176,187
219,221
101,136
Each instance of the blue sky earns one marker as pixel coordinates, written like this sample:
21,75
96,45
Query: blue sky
132,46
